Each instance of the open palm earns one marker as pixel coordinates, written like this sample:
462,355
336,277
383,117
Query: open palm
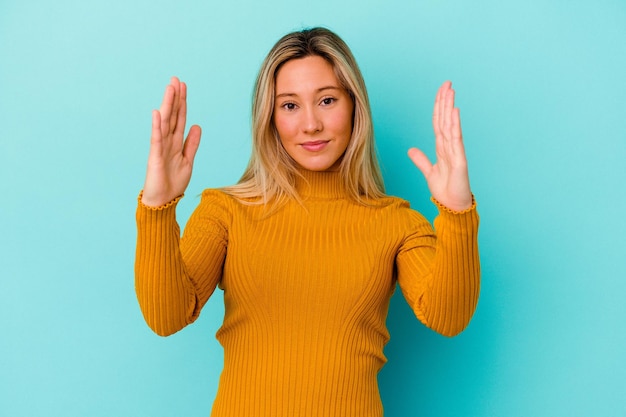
447,178
170,161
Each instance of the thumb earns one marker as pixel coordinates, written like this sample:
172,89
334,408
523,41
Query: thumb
421,161
192,143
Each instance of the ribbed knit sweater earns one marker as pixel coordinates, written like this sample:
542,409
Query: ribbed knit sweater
306,290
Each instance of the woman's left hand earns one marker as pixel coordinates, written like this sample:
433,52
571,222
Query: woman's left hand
448,178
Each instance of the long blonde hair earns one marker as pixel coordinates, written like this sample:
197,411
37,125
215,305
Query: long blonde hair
271,172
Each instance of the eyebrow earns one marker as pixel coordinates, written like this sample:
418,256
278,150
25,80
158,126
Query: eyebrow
319,90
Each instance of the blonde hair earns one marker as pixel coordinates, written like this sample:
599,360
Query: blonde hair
271,172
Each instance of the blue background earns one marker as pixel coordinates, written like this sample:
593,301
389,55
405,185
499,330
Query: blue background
542,94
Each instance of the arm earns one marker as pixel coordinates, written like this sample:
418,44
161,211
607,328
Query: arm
165,293
440,274
175,277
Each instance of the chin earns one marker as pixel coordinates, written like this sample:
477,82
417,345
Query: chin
318,165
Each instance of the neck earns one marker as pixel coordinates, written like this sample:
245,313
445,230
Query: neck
325,184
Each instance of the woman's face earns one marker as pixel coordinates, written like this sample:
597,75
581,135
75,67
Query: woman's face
312,113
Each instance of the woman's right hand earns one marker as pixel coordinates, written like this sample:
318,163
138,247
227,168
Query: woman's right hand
171,158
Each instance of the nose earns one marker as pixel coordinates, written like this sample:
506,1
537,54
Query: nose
312,123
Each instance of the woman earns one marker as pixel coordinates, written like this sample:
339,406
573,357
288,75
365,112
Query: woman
306,247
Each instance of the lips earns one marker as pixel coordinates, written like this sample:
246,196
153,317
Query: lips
315,146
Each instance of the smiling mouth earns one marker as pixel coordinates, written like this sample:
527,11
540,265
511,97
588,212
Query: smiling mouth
315,146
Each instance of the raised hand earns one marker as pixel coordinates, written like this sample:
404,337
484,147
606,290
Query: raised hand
171,158
448,178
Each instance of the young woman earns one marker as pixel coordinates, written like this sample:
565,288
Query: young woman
307,248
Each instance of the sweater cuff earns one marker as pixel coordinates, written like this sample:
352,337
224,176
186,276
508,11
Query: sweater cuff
444,209
151,217
165,206
456,222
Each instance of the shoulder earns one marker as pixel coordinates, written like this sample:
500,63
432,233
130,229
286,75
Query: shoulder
223,204
214,194
399,211
215,206
396,205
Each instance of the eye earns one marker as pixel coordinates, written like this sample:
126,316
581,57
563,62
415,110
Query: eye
289,106
328,101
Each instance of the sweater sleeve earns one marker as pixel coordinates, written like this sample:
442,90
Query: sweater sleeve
174,277
439,273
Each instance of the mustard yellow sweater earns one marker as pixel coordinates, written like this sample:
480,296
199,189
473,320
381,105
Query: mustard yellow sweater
306,291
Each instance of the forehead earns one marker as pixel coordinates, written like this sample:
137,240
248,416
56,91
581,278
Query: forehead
304,74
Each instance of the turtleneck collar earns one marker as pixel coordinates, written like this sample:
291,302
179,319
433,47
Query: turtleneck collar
320,184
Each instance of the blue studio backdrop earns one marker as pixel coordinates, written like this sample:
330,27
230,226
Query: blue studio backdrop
542,91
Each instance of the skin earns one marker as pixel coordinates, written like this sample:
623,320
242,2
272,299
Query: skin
447,178
312,113
171,156
170,160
